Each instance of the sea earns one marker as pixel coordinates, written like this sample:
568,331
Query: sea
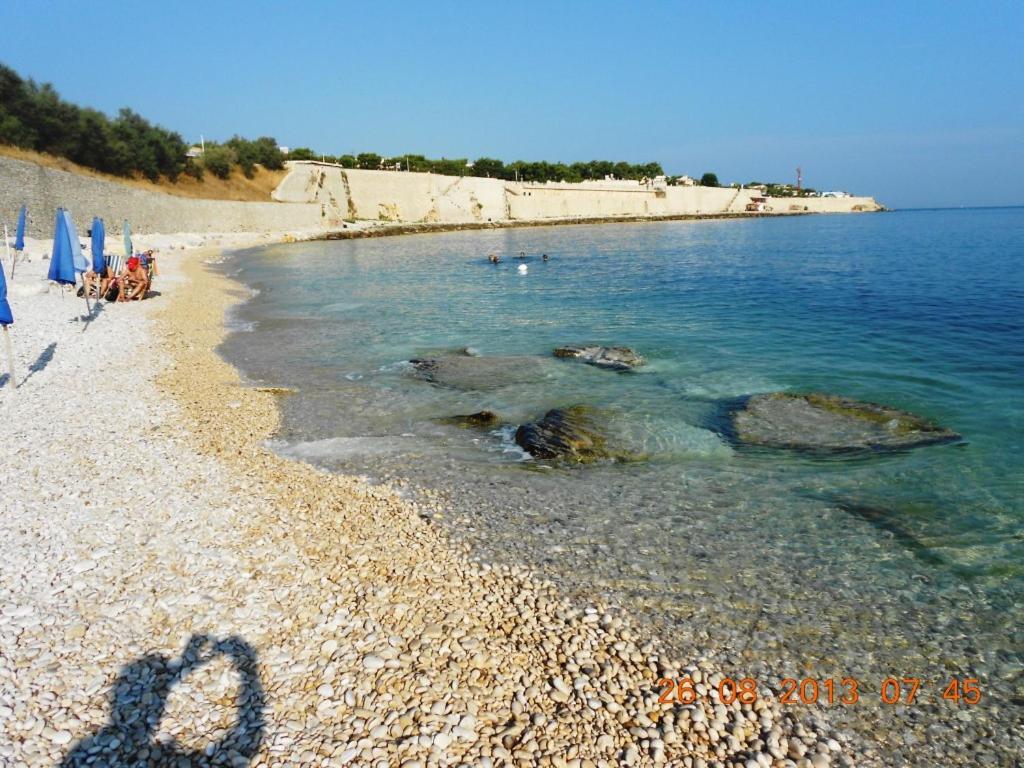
772,563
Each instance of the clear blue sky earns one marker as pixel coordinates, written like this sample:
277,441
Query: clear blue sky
917,103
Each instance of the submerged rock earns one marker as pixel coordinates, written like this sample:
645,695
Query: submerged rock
475,373
892,522
616,358
478,420
277,390
819,422
576,434
568,433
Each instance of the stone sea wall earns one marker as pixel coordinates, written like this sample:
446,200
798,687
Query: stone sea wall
428,198
43,190
322,196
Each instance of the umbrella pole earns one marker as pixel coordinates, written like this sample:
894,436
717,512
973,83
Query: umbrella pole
10,357
85,295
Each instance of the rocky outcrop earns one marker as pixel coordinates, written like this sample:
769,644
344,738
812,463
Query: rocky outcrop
616,358
469,373
478,420
819,422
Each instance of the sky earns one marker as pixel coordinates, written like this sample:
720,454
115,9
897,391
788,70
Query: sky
918,104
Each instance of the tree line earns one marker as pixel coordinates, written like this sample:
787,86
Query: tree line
521,170
33,116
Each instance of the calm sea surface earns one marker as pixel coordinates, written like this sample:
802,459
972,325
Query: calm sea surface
772,562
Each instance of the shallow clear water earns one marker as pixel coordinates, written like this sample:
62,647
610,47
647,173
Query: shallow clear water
911,563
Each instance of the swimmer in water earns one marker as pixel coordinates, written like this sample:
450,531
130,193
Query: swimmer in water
544,257
522,254
493,259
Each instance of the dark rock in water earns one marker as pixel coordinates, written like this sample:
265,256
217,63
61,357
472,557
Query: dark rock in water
477,373
480,420
818,422
579,434
563,433
616,358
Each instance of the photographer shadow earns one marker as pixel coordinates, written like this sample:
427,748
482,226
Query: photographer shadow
138,701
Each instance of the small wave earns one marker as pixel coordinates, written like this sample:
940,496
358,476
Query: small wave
342,306
507,445
336,448
239,326
399,367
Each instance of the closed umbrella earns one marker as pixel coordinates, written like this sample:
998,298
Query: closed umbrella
77,257
78,260
99,261
62,268
127,240
19,239
99,237
6,318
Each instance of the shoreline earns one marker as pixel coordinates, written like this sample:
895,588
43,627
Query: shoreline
377,229
372,638
211,418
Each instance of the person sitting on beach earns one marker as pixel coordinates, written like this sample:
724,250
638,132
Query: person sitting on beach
98,281
134,282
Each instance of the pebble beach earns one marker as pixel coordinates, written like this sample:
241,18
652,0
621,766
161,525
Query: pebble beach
172,592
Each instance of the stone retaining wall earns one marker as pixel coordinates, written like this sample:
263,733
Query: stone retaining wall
428,198
43,190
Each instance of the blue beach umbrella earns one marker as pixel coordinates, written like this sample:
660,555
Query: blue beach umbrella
99,237
127,240
78,259
62,266
19,237
6,318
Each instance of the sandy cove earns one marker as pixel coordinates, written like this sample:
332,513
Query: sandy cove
160,559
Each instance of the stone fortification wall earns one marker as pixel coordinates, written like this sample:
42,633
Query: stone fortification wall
394,196
320,196
43,190
425,197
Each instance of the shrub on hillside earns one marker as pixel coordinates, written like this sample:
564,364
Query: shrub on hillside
218,160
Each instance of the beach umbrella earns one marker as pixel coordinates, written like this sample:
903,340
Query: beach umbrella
78,260
6,318
19,239
127,240
81,264
62,268
99,237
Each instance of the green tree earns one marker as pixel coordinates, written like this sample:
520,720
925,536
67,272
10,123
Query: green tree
368,160
218,160
709,180
488,166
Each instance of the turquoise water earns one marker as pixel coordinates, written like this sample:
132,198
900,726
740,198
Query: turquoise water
922,310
